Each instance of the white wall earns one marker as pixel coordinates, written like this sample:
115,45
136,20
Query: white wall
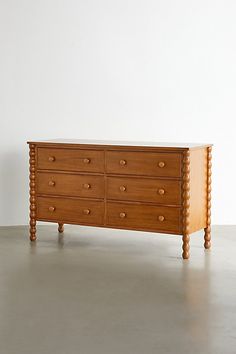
125,69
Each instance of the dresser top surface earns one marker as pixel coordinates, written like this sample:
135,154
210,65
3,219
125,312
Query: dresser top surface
105,143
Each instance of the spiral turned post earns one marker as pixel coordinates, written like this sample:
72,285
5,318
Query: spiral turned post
32,200
207,230
60,227
186,204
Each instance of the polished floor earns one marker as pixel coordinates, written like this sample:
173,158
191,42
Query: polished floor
100,291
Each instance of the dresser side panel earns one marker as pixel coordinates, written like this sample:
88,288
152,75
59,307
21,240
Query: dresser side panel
198,189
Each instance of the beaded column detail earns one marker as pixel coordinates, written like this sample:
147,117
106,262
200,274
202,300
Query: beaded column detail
207,230
186,204
32,192
60,227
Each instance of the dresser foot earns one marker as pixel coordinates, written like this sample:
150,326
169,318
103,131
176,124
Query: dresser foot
60,227
186,246
33,230
207,237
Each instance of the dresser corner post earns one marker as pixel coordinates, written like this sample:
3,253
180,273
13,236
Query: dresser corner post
207,230
32,185
60,227
186,204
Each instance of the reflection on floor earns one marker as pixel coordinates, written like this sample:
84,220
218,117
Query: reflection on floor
100,291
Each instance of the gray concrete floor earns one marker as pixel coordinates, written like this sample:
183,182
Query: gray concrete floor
101,291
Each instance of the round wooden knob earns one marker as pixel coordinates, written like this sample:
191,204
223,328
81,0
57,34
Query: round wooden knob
86,211
161,164
51,158
122,162
161,218
51,208
122,215
87,186
122,188
86,160
51,183
161,191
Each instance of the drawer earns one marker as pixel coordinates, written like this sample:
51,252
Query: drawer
70,210
87,186
144,217
143,163
70,160
159,191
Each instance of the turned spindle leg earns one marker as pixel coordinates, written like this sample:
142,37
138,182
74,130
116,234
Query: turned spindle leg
186,246
32,223
60,227
207,237
186,204
207,230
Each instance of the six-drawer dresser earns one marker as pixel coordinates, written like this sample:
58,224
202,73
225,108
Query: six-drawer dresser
154,187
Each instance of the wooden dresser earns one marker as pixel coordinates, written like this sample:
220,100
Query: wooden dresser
163,188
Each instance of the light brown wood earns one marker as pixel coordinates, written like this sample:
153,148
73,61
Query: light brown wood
68,209
155,190
118,145
60,228
164,188
186,204
70,160
88,186
32,184
143,163
143,216
161,164
207,230
198,190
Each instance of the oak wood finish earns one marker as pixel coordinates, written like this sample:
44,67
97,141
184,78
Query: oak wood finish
60,227
207,230
143,163
151,187
144,217
64,210
186,204
70,160
77,185
32,169
159,191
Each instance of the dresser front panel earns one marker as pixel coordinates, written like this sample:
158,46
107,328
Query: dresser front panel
70,160
70,210
143,163
159,191
143,217
64,184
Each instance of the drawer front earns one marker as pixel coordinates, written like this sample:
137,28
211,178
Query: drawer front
87,186
143,163
70,160
70,210
144,217
144,190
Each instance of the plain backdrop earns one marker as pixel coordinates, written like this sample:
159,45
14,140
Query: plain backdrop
152,70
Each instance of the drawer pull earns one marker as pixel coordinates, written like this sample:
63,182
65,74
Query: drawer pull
122,188
51,158
87,186
51,208
51,183
123,162
161,191
122,215
161,218
86,211
161,164
86,160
